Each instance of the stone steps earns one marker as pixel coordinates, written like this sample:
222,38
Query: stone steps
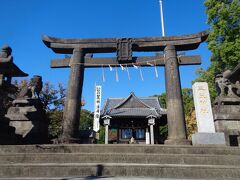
140,158
83,161
118,169
120,148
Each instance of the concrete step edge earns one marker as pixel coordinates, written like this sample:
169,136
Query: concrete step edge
117,154
113,178
126,165
119,145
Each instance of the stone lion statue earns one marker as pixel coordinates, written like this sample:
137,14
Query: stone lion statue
225,87
33,89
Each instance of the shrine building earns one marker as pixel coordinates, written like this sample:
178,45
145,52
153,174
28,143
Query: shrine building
133,120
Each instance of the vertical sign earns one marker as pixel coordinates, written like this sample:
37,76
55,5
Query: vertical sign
203,108
97,105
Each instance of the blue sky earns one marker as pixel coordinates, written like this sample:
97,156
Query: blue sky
23,22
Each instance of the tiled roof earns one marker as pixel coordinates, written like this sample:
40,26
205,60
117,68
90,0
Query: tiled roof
133,106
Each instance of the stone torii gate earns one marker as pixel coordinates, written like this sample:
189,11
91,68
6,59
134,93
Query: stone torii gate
124,48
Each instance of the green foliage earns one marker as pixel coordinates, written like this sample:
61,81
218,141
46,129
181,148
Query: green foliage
188,109
55,127
163,132
209,77
101,135
223,40
224,37
162,99
53,99
187,101
86,120
53,102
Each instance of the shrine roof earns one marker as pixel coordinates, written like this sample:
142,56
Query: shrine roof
133,106
12,70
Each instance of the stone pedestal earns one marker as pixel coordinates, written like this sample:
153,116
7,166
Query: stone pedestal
208,139
7,133
88,136
227,118
29,120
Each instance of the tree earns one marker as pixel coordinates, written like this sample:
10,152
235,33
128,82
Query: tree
55,118
224,37
209,77
223,40
53,102
162,99
53,99
101,135
86,119
188,109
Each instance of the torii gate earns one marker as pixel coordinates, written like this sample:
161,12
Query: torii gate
124,48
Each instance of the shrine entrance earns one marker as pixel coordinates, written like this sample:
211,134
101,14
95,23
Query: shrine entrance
133,120
124,47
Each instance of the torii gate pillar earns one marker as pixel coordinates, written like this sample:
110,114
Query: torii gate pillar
73,103
175,113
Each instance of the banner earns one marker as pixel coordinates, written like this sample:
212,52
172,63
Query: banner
97,106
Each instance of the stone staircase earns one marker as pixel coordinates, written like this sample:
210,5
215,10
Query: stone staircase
108,161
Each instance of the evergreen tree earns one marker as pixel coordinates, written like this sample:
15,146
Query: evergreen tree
188,109
223,40
224,37
53,101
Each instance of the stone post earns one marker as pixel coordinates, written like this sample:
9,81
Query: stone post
106,123
151,123
206,130
74,95
175,113
203,108
147,136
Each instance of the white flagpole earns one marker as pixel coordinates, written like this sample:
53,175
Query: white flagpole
162,18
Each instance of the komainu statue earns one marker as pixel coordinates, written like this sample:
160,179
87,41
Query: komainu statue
27,114
226,107
33,89
226,86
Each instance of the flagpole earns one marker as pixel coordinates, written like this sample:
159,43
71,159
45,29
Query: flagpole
162,18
